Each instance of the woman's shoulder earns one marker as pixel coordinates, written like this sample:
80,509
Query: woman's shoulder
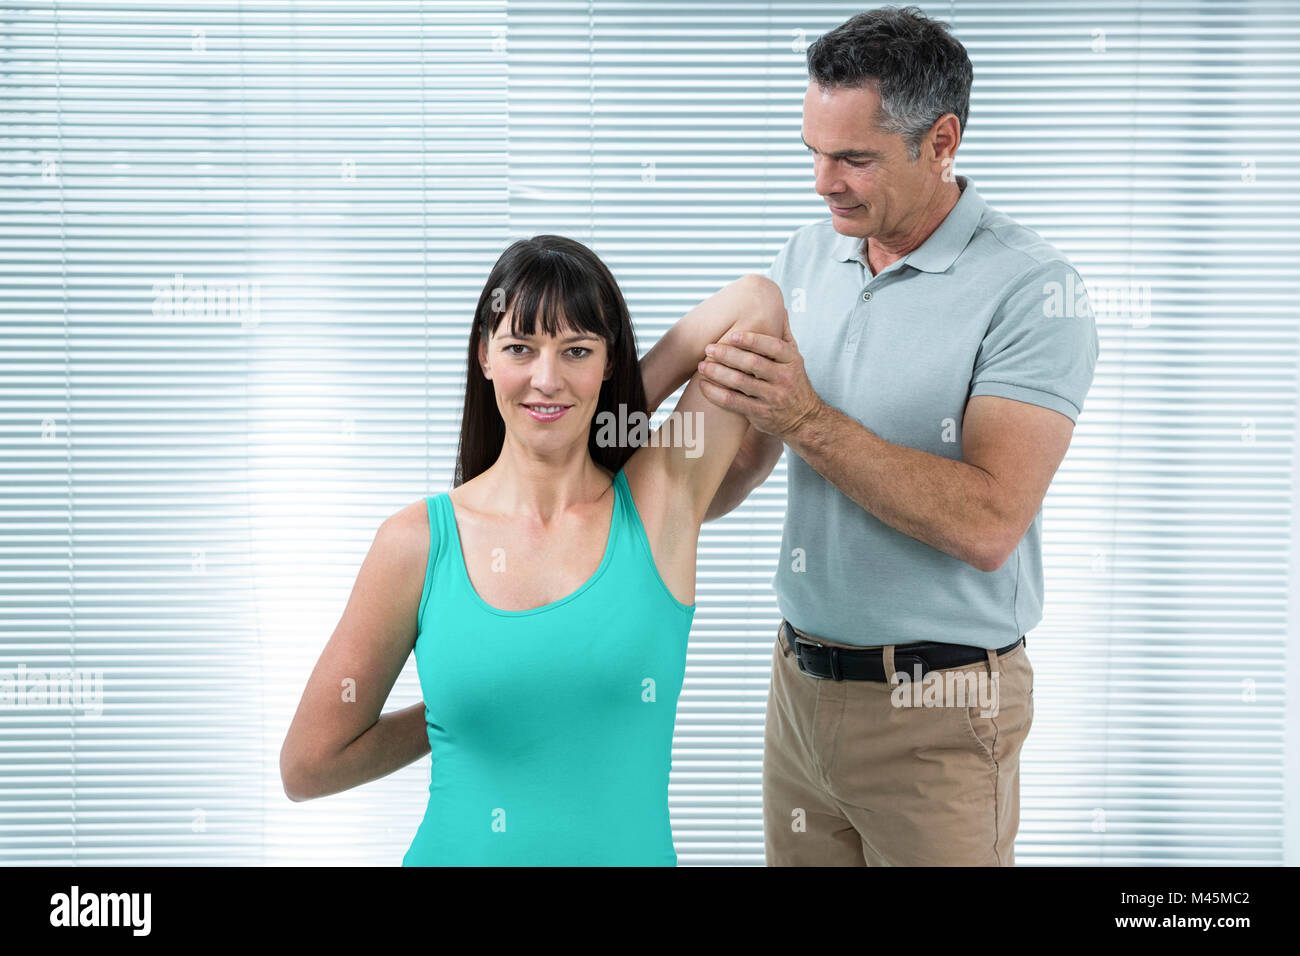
409,531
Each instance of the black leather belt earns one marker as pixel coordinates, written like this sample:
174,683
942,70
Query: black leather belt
868,663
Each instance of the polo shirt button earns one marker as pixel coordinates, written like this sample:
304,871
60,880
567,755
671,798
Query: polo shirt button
866,296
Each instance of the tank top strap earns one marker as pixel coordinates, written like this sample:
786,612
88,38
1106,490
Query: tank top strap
435,507
637,541
626,521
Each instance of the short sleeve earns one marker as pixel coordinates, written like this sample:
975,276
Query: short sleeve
777,265
776,269
1041,345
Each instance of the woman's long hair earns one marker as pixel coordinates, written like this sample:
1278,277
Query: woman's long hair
565,284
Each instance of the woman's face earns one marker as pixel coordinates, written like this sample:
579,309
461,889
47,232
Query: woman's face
544,370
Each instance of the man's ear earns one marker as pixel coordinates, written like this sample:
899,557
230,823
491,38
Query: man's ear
944,138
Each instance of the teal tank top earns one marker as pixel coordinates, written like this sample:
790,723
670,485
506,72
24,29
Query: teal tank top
550,729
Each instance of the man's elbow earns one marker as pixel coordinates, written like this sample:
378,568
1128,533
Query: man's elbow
728,496
720,507
993,552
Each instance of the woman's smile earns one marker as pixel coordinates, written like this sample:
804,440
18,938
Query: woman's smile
547,413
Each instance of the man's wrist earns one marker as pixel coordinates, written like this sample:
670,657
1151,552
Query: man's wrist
810,430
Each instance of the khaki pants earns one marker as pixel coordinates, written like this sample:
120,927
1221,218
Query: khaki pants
852,779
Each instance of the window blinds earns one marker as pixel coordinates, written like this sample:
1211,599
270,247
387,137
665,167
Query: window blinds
241,246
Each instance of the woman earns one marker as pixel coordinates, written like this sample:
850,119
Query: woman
549,595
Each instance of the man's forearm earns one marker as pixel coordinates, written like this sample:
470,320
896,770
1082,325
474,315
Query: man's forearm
733,490
735,486
945,503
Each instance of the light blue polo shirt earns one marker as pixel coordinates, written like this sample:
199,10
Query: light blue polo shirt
983,307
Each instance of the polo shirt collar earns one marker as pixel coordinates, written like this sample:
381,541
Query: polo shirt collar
942,247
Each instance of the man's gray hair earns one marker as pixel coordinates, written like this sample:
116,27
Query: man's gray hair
920,69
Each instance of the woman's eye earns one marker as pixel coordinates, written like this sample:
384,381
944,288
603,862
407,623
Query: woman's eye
577,348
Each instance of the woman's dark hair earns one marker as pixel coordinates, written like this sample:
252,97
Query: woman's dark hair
565,284
921,69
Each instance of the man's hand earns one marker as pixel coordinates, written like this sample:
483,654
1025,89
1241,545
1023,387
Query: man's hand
763,378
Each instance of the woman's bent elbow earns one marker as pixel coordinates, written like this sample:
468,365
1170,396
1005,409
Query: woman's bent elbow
292,779
769,303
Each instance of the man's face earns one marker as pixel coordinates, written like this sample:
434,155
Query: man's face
875,190
544,370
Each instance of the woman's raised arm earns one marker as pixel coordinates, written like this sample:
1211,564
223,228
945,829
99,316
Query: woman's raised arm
675,356
695,446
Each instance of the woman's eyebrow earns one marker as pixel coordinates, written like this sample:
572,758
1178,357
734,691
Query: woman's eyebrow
529,338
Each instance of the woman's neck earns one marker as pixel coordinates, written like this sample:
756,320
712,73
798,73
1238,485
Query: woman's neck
522,484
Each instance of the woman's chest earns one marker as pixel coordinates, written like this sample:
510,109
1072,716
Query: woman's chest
516,566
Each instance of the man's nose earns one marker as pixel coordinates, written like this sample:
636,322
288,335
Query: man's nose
826,178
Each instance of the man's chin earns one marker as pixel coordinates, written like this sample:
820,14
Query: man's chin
849,227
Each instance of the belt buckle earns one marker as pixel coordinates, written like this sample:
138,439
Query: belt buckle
800,641
837,672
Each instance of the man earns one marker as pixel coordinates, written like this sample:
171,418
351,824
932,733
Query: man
937,359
